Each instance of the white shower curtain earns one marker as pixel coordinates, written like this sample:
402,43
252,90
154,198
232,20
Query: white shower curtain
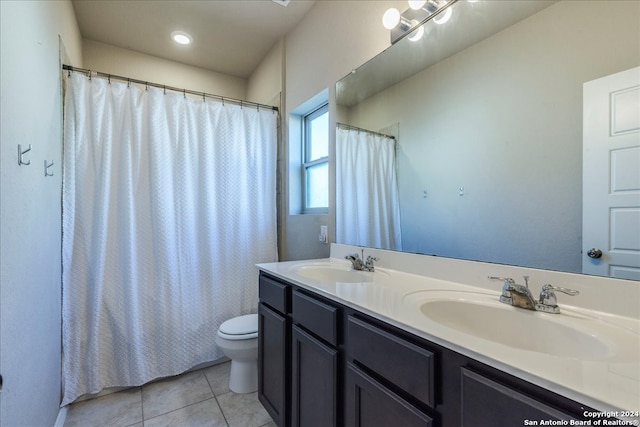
168,203
367,202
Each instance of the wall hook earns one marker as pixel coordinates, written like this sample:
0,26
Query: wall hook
22,153
46,168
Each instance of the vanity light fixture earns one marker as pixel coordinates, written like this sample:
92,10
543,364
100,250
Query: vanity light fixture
443,17
410,23
181,37
417,34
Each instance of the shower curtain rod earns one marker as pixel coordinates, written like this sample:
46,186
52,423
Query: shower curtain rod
345,126
204,95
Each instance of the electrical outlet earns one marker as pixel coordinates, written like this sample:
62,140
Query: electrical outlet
322,237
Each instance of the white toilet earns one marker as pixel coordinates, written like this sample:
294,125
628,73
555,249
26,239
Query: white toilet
238,340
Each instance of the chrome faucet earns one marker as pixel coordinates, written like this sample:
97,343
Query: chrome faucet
520,296
358,264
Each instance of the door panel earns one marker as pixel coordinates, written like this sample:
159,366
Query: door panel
611,175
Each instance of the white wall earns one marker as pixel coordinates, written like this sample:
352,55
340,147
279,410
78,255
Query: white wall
332,39
266,81
127,63
472,121
30,293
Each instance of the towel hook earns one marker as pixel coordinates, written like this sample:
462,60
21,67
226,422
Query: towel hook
21,154
46,168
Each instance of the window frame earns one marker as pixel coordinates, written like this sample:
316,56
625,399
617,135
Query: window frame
306,163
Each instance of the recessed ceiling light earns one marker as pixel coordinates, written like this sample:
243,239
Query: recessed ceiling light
181,37
281,2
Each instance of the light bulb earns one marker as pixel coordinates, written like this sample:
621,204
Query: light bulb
443,17
416,4
391,18
417,34
181,37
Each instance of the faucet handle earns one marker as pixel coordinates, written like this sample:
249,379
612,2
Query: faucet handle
549,287
508,282
506,288
505,279
548,299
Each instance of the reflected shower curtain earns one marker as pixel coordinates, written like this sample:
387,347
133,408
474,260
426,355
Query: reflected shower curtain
168,204
367,203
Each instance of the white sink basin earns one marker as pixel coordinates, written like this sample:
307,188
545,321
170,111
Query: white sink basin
335,273
565,335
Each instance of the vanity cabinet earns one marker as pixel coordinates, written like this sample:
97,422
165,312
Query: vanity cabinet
325,364
404,372
314,353
274,348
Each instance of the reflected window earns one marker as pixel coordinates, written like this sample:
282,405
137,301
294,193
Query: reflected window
315,162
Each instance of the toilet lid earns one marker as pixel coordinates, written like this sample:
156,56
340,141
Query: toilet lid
241,325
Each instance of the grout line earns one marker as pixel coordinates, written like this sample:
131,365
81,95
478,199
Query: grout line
186,406
221,411
142,403
177,378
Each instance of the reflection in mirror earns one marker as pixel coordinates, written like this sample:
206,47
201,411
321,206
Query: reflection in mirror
369,214
488,111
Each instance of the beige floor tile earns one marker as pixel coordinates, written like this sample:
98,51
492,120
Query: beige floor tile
118,409
218,377
243,410
167,395
203,414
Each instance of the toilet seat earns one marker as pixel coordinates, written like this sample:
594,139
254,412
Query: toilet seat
240,328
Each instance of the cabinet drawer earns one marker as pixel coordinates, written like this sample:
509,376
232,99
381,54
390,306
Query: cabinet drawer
481,396
404,364
316,316
275,294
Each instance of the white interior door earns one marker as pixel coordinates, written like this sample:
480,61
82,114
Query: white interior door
611,176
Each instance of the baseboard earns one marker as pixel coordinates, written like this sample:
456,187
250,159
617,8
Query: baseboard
62,417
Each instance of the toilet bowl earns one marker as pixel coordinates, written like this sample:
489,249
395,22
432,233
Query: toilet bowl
238,340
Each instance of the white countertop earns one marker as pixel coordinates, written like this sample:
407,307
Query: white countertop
609,385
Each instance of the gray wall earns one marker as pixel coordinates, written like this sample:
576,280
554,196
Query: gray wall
30,307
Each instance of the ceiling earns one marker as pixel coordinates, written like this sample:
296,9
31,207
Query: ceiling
229,36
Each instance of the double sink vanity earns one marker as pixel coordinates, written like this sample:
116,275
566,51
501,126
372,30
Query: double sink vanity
425,341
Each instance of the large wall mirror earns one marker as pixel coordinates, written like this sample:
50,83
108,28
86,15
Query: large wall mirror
487,115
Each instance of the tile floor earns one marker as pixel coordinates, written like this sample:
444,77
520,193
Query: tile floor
194,399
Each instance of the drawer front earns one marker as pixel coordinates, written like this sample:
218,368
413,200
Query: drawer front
481,396
275,294
404,364
316,316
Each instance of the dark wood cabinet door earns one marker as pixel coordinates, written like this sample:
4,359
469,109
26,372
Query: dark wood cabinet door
314,381
273,363
486,402
370,404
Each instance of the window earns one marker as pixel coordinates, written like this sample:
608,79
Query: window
315,161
